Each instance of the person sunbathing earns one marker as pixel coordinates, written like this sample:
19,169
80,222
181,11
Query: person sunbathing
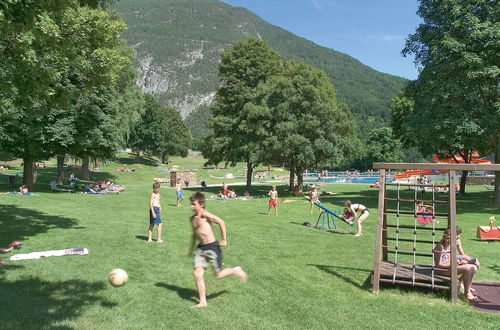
23,190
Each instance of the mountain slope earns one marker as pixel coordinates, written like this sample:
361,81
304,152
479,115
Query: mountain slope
178,43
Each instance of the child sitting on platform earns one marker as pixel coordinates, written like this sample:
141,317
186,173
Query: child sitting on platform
466,266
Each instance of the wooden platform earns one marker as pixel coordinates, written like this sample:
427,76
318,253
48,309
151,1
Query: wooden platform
405,275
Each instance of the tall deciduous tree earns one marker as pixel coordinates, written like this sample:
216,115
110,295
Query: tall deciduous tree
243,67
382,146
53,52
456,96
160,132
300,120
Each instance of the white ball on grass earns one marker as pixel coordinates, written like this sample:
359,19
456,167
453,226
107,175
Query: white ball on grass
118,277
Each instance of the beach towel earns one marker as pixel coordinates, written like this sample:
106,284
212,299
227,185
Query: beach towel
50,253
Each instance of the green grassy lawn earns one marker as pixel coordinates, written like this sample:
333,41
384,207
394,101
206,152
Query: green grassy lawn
299,277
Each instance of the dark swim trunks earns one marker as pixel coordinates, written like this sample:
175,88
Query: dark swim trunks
207,254
157,220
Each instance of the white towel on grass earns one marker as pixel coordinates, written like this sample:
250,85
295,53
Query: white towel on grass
50,253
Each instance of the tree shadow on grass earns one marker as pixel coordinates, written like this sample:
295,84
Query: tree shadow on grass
46,175
132,159
347,274
186,293
495,268
6,267
35,303
16,224
313,226
257,190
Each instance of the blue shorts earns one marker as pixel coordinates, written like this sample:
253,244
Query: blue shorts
157,220
180,194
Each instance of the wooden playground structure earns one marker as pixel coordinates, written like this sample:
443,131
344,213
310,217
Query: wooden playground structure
188,178
404,246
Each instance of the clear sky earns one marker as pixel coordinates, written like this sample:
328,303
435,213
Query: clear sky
372,31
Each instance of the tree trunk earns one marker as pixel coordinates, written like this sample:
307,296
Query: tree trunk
299,171
249,176
292,179
85,168
496,195
163,158
28,172
60,169
463,180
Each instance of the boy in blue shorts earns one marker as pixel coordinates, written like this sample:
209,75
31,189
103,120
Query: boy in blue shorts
179,192
154,213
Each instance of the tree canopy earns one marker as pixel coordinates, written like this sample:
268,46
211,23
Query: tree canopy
300,119
160,132
453,106
53,53
242,68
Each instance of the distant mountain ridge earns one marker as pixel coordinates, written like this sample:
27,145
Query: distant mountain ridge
178,44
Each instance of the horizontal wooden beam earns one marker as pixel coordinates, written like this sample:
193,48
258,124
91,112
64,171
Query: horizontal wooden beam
437,166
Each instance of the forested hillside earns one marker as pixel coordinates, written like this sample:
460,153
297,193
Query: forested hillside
178,43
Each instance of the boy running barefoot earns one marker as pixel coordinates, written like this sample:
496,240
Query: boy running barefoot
273,200
208,249
154,213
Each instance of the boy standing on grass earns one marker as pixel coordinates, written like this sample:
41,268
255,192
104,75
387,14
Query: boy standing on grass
314,199
179,192
273,200
154,213
208,249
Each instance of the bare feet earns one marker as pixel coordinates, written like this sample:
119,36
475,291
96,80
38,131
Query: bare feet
470,297
149,241
200,305
462,288
238,271
160,241
358,235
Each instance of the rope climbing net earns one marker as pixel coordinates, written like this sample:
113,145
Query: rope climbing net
411,219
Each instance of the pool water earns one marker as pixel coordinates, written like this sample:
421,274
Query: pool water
342,178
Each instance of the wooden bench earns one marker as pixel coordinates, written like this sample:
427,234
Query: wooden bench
407,274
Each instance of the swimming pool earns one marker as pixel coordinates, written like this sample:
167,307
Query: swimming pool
342,178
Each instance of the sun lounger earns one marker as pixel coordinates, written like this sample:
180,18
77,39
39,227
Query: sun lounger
53,187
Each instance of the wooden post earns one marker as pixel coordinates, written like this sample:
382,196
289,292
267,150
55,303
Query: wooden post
452,223
384,235
380,225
